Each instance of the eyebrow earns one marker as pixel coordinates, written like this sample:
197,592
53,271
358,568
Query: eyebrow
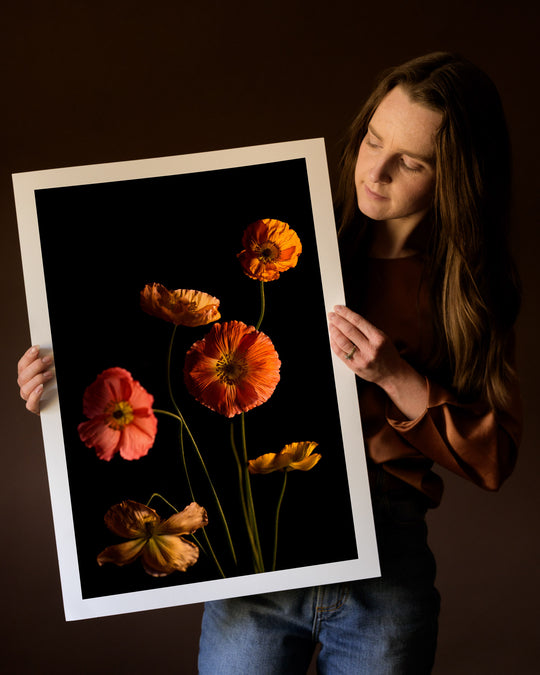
423,158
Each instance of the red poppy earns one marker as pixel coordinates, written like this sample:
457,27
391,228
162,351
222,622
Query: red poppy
158,542
181,307
120,415
233,369
270,248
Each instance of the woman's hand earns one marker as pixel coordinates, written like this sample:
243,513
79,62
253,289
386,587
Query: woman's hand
33,373
372,355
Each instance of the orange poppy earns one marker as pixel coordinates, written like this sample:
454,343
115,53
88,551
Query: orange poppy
120,415
233,369
270,248
181,307
293,456
159,543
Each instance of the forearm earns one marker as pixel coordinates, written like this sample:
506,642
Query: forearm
407,390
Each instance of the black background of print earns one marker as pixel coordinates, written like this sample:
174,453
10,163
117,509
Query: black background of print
101,244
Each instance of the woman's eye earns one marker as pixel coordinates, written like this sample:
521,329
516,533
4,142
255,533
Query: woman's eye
414,168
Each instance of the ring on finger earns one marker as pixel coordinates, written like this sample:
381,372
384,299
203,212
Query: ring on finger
351,353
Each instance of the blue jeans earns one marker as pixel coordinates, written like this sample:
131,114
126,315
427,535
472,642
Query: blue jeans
382,626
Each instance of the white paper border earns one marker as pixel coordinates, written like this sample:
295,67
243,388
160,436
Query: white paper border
367,564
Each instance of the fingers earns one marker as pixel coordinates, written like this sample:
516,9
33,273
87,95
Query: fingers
33,400
345,333
343,315
33,373
359,344
342,348
344,338
27,358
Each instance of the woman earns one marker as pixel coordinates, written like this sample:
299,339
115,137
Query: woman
432,297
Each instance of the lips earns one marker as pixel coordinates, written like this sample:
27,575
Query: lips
373,195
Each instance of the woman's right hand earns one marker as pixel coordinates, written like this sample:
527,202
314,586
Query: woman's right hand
33,373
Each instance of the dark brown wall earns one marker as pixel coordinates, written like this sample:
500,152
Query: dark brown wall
91,81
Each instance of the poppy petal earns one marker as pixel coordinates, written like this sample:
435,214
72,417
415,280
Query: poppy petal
137,438
97,434
130,519
183,307
186,522
270,248
121,416
122,554
168,553
233,369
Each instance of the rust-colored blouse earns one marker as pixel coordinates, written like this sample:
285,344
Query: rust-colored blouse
469,439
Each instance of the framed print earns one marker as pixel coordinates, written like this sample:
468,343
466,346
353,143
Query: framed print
201,439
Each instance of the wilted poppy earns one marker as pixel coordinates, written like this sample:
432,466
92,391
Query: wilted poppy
293,456
233,369
121,416
159,543
181,307
270,247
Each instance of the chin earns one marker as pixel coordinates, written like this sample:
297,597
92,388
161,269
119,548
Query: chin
371,210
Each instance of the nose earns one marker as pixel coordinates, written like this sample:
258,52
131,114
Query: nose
380,171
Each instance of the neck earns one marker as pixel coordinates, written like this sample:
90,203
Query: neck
396,239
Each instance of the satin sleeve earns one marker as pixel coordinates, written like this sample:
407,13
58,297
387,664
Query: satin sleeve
469,439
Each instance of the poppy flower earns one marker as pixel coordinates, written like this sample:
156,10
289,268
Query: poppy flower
120,415
181,307
293,456
233,369
270,247
159,543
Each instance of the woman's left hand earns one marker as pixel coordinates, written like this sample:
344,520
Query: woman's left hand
364,348
372,355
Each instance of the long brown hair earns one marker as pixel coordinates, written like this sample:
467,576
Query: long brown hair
474,285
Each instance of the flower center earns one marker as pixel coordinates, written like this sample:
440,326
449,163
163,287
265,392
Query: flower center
267,252
231,368
119,415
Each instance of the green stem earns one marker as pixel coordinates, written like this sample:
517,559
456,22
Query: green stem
169,414
169,360
216,498
263,305
183,426
245,511
257,552
213,555
277,520
240,478
156,494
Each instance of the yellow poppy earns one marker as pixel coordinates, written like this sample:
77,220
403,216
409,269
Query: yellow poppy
298,456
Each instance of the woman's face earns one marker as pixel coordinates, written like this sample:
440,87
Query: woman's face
395,168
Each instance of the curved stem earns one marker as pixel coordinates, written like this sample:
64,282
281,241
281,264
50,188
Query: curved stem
180,418
280,500
183,425
169,360
257,552
156,494
240,477
169,414
263,305
213,555
248,520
